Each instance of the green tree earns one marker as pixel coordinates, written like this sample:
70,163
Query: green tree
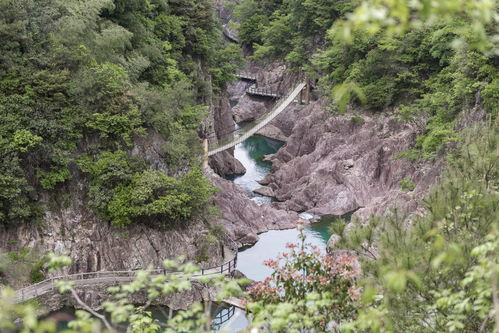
308,291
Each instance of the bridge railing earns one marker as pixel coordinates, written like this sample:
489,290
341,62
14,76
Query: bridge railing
253,127
48,285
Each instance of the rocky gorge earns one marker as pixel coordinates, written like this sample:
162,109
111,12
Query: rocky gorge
334,164
330,164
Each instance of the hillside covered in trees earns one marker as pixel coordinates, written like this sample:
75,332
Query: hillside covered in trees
80,80
83,82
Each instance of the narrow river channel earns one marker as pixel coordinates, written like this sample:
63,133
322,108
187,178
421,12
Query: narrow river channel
250,260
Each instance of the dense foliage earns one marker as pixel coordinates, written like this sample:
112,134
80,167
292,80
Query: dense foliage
429,73
81,80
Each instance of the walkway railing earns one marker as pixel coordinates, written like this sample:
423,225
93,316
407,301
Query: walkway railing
263,92
260,123
96,278
222,317
245,75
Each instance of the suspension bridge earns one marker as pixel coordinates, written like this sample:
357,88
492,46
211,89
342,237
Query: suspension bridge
252,129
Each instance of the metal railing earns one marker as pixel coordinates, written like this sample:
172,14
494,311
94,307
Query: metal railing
222,317
94,278
263,92
245,75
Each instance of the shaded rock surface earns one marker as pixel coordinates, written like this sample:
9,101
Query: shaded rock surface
224,163
265,191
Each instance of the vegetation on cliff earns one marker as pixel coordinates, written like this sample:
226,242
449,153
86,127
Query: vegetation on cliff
81,80
427,62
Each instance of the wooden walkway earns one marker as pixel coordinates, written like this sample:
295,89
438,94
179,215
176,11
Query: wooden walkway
245,76
236,302
277,109
97,278
265,92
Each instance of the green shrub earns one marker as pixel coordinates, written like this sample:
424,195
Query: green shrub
357,120
155,195
48,180
433,140
406,184
490,95
36,275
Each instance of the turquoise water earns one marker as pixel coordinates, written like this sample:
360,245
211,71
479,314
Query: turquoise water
250,262
251,153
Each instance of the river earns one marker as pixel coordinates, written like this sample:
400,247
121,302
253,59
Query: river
250,260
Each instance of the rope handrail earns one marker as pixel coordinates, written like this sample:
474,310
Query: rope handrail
48,285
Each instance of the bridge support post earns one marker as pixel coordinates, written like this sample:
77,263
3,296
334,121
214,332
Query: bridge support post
205,154
307,93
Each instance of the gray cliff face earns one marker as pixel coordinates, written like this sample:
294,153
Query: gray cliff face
336,165
70,227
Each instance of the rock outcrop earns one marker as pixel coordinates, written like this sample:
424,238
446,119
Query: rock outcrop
236,205
340,164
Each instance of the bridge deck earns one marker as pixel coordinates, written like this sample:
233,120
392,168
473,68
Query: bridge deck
245,76
237,302
278,108
263,92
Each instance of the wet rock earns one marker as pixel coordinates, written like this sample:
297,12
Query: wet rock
265,191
